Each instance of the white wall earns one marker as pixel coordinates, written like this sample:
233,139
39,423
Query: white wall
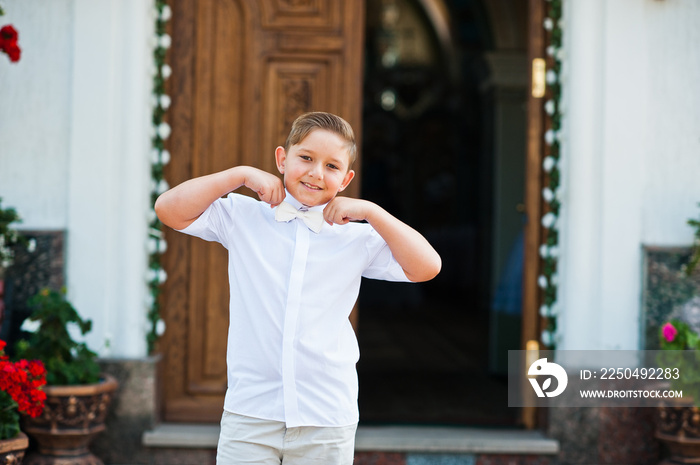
75,129
632,154
672,183
35,112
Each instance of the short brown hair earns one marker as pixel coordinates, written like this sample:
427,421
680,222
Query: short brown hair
307,122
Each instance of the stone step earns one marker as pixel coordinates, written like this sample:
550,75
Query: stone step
390,445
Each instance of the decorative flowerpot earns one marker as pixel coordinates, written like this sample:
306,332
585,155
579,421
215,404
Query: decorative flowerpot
73,416
678,427
12,450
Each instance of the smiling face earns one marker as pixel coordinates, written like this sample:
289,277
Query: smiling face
317,168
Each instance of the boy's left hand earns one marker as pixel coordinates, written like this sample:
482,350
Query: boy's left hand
420,262
342,210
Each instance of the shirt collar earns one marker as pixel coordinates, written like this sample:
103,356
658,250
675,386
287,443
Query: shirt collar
298,205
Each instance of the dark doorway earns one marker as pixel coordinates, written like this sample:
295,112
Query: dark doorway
427,158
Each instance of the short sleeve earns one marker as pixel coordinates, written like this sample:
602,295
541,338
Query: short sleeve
216,222
382,264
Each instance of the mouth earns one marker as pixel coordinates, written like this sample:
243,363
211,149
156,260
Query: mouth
311,186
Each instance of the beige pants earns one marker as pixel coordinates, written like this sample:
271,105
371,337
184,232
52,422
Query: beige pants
252,440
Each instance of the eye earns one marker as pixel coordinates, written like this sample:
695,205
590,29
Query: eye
305,157
332,166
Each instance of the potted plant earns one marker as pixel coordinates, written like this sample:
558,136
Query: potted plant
678,420
694,259
20,392
8,238
77,395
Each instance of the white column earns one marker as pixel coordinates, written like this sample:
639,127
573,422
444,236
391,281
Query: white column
581,227
625,139
109,171
607,95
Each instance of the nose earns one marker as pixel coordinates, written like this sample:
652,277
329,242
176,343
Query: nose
316,171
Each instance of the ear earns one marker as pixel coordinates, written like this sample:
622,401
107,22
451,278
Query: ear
348,177
280,157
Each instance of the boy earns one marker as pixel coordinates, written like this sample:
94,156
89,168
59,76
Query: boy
292,383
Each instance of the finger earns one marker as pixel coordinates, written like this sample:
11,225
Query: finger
271,196
336,216
275,201
328,217
267,199
329,212
280,193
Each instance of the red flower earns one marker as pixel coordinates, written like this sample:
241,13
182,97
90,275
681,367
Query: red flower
23,380
9,33
14,52
36,368
8,42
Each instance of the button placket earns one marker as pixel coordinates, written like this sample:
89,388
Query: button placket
296,280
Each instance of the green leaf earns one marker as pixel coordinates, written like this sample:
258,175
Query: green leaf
67,362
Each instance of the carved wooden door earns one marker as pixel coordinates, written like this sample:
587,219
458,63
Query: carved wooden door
242,71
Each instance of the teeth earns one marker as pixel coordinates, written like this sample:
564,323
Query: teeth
311,186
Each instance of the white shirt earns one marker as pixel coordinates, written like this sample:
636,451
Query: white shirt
291,349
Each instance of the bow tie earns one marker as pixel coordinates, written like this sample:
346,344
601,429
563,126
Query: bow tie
313,219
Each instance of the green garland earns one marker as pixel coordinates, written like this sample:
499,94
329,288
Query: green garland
160,157
551,193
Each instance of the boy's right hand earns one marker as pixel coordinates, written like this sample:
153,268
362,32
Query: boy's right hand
269,187
183,204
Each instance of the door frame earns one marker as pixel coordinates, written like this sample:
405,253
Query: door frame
351,106
532,322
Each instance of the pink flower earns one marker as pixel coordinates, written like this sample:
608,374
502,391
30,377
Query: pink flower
669,331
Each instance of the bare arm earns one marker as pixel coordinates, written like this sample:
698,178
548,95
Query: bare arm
420,262
183,204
